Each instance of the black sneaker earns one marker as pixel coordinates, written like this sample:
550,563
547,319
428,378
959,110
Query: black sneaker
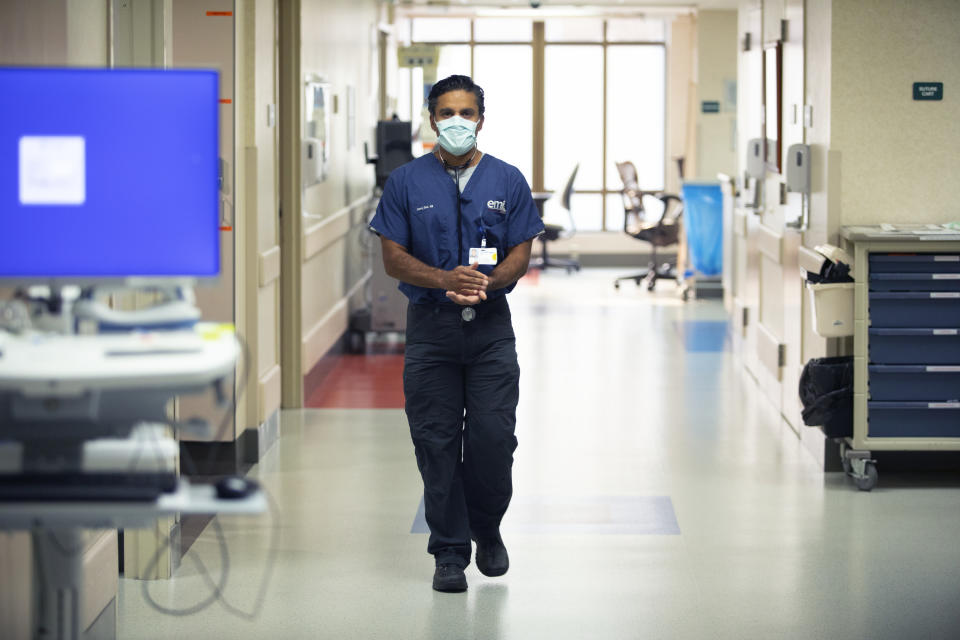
449,578
492,558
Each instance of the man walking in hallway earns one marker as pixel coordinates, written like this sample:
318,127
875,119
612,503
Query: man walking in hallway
457,227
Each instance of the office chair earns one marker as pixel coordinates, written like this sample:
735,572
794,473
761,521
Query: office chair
637,224
554,232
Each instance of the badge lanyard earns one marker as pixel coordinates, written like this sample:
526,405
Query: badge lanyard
459,217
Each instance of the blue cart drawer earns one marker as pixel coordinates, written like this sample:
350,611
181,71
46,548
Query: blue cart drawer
915,281
914,382
913,419
914,346
915,263
904,309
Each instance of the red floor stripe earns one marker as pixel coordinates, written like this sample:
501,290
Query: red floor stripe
361,382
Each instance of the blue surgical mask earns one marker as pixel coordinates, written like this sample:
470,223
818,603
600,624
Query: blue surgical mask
457,135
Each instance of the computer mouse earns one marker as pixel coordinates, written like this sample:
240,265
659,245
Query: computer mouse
235,487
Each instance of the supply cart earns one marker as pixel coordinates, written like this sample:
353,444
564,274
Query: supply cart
906,343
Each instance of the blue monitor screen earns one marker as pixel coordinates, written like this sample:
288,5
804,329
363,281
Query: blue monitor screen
108,173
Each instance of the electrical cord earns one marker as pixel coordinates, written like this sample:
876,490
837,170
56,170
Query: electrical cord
272,550
217,587
203,604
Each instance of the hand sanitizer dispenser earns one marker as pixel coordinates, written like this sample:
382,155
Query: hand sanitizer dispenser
756,167
798,168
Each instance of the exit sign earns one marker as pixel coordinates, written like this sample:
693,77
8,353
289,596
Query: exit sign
928,91
710,106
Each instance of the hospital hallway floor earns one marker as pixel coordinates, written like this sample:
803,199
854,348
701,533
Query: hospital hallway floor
657,494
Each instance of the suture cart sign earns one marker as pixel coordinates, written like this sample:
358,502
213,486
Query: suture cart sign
928,91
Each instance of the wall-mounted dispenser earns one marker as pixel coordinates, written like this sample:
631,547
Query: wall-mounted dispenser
317,115
798,168
756,165
798,181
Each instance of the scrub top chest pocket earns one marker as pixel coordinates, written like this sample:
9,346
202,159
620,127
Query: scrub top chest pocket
431,225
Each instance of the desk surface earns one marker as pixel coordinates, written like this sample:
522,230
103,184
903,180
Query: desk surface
59,365
199,499
900,232
539,198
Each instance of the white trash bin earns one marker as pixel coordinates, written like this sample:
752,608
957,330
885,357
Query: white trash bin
832,302
832,305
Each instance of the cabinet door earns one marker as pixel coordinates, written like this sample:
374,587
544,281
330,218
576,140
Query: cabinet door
770,343
793,133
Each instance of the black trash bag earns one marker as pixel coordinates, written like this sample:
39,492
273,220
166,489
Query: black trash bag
826,392
831,272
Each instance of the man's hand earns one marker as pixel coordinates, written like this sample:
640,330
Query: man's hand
467,301
466,285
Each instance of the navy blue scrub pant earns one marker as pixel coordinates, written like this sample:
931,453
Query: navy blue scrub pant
461,382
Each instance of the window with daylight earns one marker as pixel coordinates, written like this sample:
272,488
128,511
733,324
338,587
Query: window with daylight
604,95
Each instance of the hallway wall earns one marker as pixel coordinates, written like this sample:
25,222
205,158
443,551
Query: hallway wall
339,43
258,223
716,68
681,94
897,153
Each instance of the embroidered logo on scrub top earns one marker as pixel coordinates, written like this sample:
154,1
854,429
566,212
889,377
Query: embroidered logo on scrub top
426,206
497,205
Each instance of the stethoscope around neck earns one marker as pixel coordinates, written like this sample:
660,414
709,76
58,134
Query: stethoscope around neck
456,170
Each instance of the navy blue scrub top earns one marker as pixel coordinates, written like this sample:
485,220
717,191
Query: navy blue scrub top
418,211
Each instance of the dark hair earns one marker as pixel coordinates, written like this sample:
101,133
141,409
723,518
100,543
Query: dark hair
453,83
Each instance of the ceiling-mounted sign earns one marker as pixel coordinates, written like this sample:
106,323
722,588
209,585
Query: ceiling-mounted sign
418,55
928,91
710,106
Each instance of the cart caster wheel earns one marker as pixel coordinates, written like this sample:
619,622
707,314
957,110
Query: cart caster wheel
616,285
358,342
844,460
685,295
869,479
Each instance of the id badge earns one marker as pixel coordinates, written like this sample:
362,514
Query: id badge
483,255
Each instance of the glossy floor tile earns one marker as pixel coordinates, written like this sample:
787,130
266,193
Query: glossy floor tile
628,400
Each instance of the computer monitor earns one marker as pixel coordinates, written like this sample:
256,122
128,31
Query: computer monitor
108,175
394,147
